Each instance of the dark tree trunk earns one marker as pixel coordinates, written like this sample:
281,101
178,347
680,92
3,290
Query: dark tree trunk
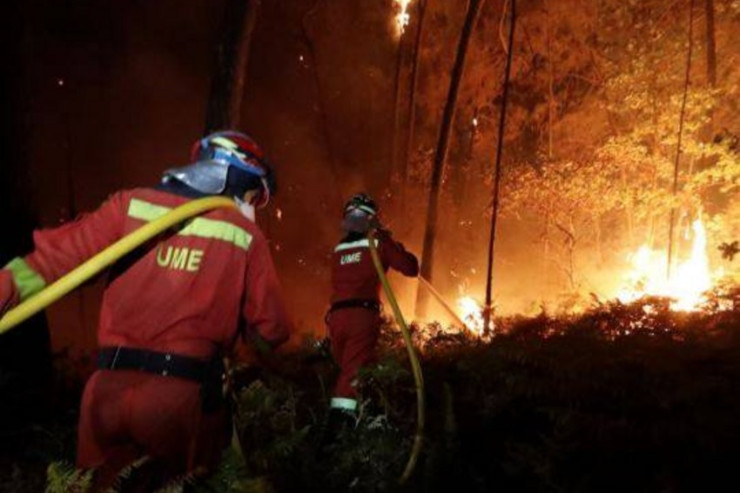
323,112
440,157
677,162
401,55
409,144
227,84
711,45
711,49
497,182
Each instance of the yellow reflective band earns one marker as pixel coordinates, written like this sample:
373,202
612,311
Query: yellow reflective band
218,230
224,142
232,146
200,226
354,244
138,209
27,280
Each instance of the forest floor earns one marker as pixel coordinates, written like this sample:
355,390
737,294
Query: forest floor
619,398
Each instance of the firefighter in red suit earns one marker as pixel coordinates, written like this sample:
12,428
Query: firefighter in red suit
170,311
354,317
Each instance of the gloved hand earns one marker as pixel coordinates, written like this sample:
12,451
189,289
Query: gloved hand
382,233
8,292
374,223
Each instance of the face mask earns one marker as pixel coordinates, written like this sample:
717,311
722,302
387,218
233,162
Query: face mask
246,209
356,221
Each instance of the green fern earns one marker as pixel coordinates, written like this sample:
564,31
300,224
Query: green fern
62,477
127,474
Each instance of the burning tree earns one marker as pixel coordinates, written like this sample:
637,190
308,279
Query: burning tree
591,143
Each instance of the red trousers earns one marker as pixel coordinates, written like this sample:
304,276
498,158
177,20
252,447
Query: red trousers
354,336
126,415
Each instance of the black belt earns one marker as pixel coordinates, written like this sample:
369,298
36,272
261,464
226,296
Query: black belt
165,364
355,303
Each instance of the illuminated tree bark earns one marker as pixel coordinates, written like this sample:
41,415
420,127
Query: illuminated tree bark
497,178
440,157
401,55
227,84
711,45
680,135
330,154
411,111
711,48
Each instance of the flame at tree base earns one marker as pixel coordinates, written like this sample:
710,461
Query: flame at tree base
472,314
689,279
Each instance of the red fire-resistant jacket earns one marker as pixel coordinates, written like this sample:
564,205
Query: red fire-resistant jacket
353,273
186,292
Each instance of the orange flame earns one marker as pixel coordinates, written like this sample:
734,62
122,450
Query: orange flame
402,17
472,314
689,279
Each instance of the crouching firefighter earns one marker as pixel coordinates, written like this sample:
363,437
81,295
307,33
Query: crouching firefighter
354,319
170,310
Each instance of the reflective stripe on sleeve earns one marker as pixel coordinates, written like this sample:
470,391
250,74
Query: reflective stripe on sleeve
343,403
27,280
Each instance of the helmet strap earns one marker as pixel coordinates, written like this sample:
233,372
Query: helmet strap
247,209
265,195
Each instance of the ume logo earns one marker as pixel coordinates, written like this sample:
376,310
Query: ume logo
351,258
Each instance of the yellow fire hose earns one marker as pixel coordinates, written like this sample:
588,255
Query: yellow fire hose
415,366
94,265
438,296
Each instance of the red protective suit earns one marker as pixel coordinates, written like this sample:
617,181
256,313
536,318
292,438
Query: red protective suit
186,293
354,330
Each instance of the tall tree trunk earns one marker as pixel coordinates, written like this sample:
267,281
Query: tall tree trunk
408,148
597,233
569,232
711,45
227,84
550,81
680,135
499,151
401,55
546,253
440,157
323,112
711,48
550,118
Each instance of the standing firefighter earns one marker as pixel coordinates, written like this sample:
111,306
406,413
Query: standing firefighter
354,317
171,309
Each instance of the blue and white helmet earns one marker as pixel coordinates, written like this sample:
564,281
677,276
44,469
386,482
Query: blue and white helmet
223,157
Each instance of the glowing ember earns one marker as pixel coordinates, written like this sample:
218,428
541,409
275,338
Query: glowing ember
403,17
690,277
472,314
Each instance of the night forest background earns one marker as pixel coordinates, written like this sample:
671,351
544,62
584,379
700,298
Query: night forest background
575,391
